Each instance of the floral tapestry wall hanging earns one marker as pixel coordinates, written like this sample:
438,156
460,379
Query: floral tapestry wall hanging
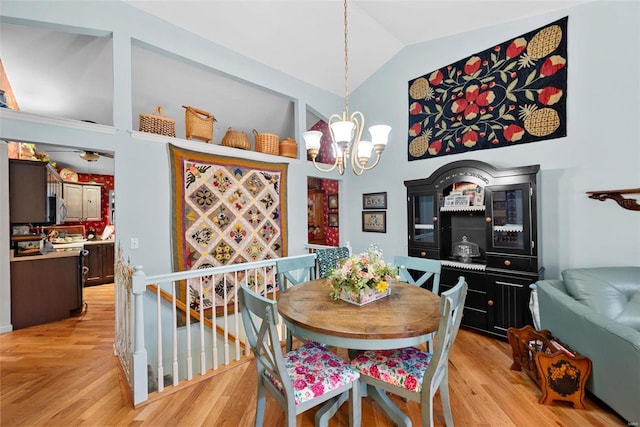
226,211
512,93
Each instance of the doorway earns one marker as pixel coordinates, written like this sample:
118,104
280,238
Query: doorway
323,219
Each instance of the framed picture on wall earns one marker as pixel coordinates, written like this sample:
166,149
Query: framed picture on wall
333,219
374,201
333,201
374,221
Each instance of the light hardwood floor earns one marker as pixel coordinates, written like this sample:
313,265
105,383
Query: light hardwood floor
64,373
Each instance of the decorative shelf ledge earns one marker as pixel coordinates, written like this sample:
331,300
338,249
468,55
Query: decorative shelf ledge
617,195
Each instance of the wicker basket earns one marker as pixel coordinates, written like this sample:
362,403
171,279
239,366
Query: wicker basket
198,124
267,142
236,139
157,122
289,148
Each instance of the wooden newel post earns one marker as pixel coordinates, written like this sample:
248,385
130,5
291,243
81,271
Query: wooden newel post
140,386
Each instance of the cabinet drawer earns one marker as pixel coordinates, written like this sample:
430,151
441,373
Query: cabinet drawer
424,253
474,318
475,299
475,279
512,262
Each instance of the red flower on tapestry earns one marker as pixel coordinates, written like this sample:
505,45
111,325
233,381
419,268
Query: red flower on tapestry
436,78
552,65
472,99
472,65
513,133
516,47
549,95
470,138
435,147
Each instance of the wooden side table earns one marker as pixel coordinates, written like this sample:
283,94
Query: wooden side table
560,372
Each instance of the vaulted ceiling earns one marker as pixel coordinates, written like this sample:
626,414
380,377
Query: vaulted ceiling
302,38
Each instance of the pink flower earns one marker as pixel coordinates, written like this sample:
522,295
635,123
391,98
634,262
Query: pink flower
410,382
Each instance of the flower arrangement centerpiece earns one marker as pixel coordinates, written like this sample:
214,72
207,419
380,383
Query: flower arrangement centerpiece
363,278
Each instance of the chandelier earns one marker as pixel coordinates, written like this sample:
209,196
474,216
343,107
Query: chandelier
346,132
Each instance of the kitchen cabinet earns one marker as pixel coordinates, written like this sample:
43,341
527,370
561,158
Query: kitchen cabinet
45,288
100,263
481,222
315,216
34,190
83,201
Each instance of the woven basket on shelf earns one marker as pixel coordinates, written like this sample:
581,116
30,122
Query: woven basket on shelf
198,124
289,148
236,139
157,122
267,142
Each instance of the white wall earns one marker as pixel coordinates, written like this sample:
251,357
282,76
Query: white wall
601,150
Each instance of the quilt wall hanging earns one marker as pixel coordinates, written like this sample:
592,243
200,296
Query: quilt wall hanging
226,211
512,93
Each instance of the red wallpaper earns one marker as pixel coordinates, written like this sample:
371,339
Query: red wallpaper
107,184
331,234
326,153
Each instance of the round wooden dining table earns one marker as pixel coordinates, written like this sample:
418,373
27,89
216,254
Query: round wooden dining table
406,317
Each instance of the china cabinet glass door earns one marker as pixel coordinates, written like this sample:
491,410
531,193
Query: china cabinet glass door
509,217
423,217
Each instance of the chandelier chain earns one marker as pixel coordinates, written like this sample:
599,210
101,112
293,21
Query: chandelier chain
346,62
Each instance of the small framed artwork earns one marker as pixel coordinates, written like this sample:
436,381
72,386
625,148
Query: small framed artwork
462,201
333,219
333,201
374,201
450,201
374,221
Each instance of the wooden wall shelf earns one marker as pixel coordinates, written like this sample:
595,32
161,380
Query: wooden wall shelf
617,195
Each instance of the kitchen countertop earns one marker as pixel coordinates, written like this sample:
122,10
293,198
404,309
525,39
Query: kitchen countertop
49,255
97,242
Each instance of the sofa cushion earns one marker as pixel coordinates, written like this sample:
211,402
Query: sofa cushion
613,292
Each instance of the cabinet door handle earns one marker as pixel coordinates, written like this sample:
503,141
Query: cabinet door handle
490,303
435,219
423,253
487,219
507,262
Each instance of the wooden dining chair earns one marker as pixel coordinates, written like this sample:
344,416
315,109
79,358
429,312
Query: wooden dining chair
295,270
292,271
299,379
428,267
328,259
412,373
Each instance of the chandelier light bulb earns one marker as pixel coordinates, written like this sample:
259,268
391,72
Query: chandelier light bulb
312,139
380,134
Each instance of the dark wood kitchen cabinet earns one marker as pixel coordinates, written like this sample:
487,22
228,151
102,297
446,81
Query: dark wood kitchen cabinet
99,263
481,222
45,289
34,190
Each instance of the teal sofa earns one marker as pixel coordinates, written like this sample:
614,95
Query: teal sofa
596,311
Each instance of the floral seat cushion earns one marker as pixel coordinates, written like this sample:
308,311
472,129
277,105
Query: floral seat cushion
403,367
314,371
